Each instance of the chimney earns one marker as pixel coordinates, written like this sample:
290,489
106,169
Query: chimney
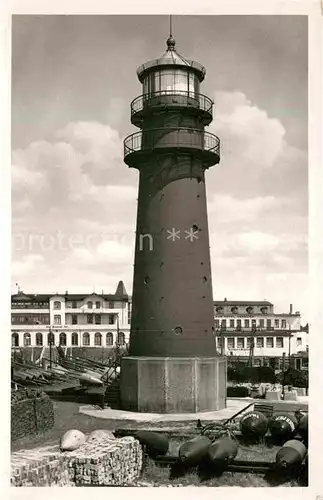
290,308
66,292
225,299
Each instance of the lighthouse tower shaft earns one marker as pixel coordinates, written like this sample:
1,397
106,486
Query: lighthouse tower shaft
172,307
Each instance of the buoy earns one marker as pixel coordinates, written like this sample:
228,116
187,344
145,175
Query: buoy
222,451
194,451
282,425
72,440
155,443
303,427
290,454
100,434
253,424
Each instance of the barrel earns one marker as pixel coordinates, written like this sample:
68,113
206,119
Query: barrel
303,427
154,443
282,425
222,451
290,454
253,424
194,451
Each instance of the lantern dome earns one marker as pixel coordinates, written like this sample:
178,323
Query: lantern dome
171,58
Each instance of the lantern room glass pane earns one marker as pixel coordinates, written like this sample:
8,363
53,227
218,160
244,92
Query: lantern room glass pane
171,81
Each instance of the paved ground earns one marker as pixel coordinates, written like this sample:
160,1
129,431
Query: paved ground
233,406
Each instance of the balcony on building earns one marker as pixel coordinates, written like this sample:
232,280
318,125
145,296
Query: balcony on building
202,144
175,99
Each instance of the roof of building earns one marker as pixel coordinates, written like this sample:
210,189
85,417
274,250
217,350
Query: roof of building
242,303
120,294
170,58
121,289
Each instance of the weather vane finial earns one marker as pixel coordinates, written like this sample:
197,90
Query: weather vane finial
170,41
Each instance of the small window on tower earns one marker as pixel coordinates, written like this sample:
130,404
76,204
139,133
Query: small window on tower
178,330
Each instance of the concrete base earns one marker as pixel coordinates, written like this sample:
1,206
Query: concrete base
173,385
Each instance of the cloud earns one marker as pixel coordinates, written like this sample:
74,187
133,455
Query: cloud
255,157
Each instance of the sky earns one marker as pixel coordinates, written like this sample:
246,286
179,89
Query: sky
74,199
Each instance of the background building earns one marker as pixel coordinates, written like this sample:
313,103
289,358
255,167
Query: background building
80,320
253,330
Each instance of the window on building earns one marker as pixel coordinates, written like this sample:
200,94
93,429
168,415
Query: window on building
249,310
98,339
15,340
121,338
90,304
283,323
109,338
246,323
98,305
57,304
75,339
230,342
223,324
239,325
217,323
89,319
260,342
305,363
74,304
261,323
57,319
280,342
231,323
39,339
249,339
74,319
50,338
98,319
62,339
276,323
256,362
111,319
269,324
299,341
234,310
253,323
269,341
240,343
111,305
27,340
86,339
219,342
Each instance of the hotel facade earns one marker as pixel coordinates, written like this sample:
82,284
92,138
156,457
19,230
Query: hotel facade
71,320
253,329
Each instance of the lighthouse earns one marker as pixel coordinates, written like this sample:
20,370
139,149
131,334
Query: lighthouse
173,365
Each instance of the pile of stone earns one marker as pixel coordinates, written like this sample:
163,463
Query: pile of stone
106,462
99,460
39,467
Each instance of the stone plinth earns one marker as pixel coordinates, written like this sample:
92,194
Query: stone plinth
173,385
